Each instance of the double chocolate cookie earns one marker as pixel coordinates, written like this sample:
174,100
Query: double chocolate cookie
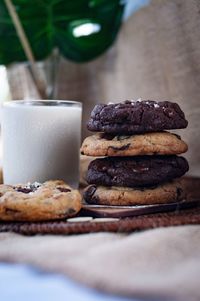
134,117
141,171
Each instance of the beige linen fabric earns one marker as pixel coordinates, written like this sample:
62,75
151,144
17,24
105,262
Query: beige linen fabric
161,263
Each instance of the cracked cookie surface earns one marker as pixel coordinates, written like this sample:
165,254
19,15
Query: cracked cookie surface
132,117
158,143
38,202
121,196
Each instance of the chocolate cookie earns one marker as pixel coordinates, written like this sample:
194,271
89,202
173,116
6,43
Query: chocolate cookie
135,171
38,202
159,143
121,196
132,117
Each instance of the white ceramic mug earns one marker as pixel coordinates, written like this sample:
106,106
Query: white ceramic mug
41,141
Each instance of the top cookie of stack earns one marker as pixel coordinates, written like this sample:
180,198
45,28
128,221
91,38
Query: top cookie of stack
129,129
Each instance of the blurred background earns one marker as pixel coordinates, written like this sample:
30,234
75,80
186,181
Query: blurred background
100,51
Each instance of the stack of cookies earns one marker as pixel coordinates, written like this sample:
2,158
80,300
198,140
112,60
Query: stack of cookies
140,165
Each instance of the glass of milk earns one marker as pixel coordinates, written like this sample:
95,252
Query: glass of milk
41,141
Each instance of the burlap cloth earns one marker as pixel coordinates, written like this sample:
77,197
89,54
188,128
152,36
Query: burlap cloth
160,263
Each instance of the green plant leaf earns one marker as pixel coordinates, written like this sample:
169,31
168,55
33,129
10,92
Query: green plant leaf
81,29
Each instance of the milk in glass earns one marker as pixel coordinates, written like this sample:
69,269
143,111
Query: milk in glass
41,141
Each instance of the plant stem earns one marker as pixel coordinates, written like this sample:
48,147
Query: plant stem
39,82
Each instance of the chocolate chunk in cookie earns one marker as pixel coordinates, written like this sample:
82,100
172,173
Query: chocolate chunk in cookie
132,117
160,143
136,171
122,196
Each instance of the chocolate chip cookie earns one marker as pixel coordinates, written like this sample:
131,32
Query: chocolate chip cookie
136,171
133,117
37,202
158,143
120,196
